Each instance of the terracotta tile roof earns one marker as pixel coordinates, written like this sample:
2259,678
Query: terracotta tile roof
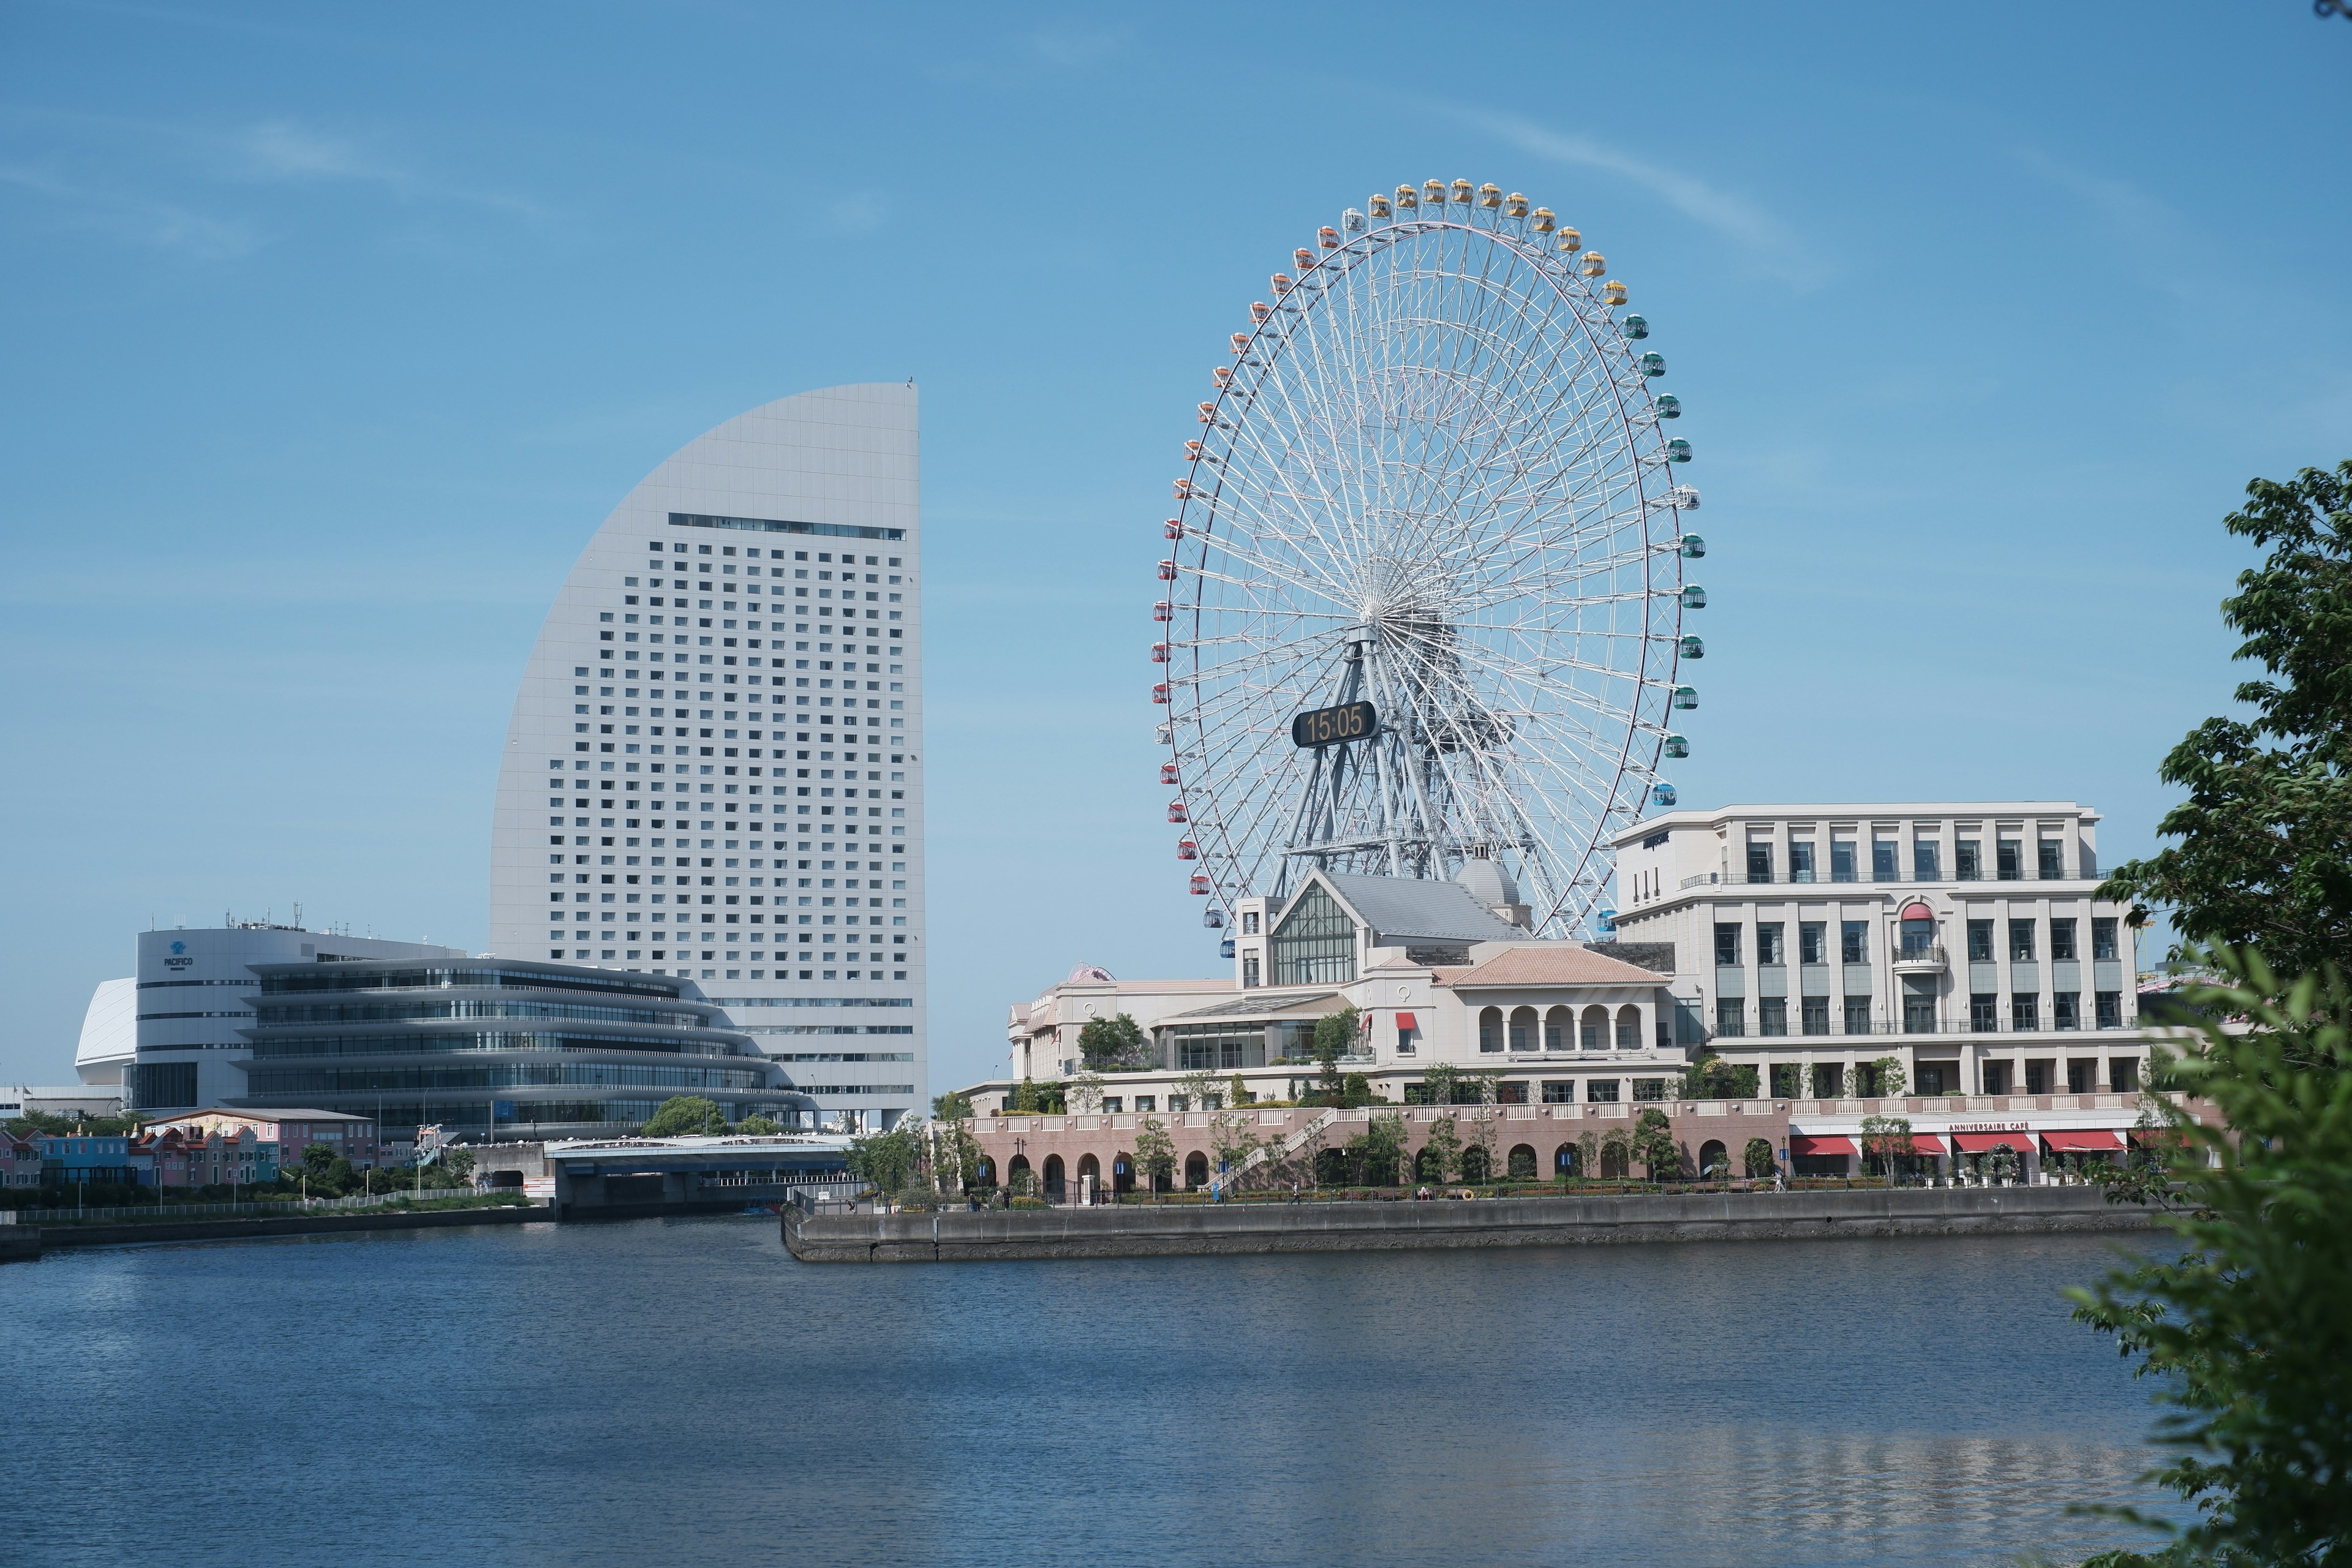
1551,963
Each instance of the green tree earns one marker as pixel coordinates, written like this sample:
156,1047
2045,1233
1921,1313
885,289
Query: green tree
956,1105
1198,1088
886,1159
1155,1152
1113,1044
1479,1147
1335,1035
1085,1092
1886,1139
1375,1155
1355,1089
2262,857
1024,1098
2244,1328
765,1126
1441,1150
1654,1146
1588,1153
1439,1083
684,1116
1757,1158
1712,1077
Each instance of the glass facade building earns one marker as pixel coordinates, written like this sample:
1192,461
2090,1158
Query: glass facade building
510,1048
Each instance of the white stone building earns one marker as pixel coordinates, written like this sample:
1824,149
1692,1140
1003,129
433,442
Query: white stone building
1963,938
714,766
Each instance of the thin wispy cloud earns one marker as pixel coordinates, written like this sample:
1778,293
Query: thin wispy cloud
1773,246
132,218
166,184
2152,234
1074,48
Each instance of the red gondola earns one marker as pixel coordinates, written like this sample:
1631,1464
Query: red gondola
1160,693
1187,850
1176,811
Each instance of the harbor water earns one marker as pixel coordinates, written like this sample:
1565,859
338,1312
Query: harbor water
681,1392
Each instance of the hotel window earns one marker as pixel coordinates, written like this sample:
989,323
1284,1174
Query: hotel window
1981,942
1842,866
2066,1010
1926,860
1730,1016
2083,1074
2123,1075
1769,948
1984,1011
2052,856
1815,1014
1801,860
2110,1005
1772,1016
2009,859
1601,1090
1882,861
2021,941
1996,1077
1829,1081
1560,1091
1812,942
2062,939
1857,1015
1854,941
2025,1014
1726,946
2103,937
1759,862
1113,1104
1967,856
1649,1088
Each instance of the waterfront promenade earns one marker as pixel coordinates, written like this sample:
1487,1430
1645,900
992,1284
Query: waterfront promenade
1132,1230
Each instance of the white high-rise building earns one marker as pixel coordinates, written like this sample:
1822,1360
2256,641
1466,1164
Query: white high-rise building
714,768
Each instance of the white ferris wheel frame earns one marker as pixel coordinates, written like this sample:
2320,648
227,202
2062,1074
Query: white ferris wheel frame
1517,621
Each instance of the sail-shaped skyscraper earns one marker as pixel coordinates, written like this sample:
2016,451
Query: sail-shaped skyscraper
714,769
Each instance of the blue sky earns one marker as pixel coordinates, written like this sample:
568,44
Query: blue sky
332,332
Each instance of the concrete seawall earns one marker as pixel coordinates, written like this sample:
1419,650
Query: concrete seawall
127,1232
1143,1230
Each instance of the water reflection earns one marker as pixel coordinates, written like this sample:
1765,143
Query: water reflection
682,1391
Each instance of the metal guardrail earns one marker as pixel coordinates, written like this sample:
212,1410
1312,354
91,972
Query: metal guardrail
265,1208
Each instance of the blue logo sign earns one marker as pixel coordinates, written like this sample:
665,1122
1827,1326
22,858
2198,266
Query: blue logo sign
503,1107
179,947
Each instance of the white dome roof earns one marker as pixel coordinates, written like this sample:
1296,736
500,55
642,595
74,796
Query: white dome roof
1486,881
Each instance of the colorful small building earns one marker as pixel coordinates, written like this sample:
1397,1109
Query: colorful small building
94,1159
20,1159
289,1133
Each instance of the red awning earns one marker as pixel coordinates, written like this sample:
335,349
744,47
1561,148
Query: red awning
1823,1143
1926,1143
1916,913
1404,1021
1986,1143
2085,1140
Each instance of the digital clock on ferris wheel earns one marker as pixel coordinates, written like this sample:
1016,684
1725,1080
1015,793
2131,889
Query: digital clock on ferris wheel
1335,726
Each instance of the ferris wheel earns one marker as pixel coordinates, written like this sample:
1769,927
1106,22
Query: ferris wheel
1425,592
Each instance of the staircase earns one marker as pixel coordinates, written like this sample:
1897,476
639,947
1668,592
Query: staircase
1268,1154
